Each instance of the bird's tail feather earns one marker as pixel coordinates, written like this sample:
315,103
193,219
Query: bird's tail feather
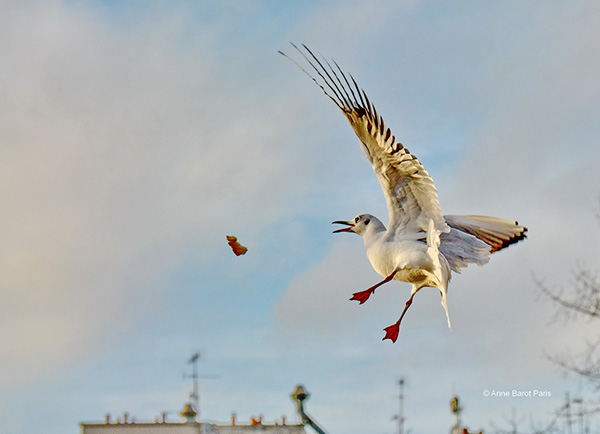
441,265
495,232
433,243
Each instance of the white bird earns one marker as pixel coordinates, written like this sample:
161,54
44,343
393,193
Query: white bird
420,245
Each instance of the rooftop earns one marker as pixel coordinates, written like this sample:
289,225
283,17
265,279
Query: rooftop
190,425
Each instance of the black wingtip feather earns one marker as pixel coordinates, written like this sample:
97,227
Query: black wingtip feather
342,89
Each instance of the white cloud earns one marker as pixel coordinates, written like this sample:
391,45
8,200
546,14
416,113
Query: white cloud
131,141
529,152
122,150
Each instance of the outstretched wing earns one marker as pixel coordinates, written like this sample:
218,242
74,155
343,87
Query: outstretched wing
409,190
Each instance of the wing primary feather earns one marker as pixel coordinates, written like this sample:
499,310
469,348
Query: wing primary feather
356,103
348,84
359,93
410,192
388,133
375,115
372,110
329,82
339,100
370,107
339,104
347,100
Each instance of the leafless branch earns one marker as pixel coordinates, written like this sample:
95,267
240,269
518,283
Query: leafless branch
585,295
535,427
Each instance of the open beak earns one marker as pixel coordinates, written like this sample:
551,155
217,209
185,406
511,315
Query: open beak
340,222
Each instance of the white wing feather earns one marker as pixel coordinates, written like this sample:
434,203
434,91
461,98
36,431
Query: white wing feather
409,191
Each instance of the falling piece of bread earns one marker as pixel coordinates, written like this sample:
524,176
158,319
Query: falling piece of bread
237,248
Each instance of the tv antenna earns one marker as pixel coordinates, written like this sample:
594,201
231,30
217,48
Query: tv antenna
401,418
194,395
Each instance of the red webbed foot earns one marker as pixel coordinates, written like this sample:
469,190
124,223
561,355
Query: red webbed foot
362,296
392,332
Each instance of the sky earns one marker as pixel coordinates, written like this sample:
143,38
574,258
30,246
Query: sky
134,136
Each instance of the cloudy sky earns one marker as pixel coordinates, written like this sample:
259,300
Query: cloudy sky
135,135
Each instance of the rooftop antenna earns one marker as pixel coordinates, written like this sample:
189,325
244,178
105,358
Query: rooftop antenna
401,408
195,395
400,416
568,410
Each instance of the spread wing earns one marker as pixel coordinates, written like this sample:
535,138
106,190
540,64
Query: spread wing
410,193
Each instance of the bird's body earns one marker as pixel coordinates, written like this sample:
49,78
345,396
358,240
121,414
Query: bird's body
412,259
420,246
408,259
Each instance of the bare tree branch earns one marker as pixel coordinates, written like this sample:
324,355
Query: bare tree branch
535,427
585,297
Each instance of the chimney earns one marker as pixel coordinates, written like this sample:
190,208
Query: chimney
233,417
107,418
125,417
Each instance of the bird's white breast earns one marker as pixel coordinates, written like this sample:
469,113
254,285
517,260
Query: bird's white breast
405,256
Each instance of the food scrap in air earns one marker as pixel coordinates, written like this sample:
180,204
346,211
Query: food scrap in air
237,248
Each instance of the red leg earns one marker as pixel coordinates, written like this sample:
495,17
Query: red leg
363,296
392,331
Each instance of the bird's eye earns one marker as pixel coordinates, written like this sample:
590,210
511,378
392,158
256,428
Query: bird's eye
356,219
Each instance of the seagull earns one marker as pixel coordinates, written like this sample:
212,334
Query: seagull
420,245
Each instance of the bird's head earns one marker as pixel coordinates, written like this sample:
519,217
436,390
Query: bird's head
361,225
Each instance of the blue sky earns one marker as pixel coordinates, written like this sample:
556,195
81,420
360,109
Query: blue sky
135,135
